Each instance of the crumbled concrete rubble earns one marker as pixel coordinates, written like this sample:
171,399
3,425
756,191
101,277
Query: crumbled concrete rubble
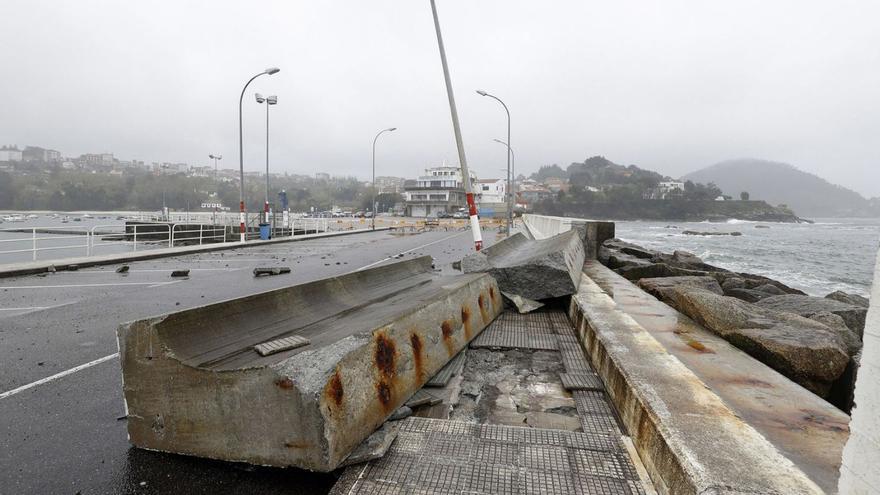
523,305
275,270
376,445
533,269
515,387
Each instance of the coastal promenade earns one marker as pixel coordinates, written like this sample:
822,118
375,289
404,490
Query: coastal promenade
68,434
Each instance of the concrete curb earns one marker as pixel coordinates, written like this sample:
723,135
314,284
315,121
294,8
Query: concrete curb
688,438
18,269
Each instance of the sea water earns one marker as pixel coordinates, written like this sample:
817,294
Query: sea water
831,254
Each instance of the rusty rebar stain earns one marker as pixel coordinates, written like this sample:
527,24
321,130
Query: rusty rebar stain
418,360
484,312
446,328
384,355
335,390
698,346
284,383
466,321
384,393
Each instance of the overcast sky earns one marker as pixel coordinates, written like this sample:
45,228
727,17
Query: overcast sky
667,85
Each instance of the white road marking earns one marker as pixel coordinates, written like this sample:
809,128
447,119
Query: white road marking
411,250
152,270
162,284
151,284
116,354
58,375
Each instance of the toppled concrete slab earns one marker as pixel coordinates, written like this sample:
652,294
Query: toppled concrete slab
534,269
194,384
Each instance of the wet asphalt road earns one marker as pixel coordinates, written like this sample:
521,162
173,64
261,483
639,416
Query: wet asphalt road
66,436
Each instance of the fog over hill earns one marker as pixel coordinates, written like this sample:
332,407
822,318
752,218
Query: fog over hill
780,183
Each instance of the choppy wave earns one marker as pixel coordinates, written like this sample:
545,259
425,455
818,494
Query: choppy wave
832,254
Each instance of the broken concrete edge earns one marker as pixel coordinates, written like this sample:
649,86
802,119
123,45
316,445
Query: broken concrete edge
688,439
33,268
534,269
592,232
327,400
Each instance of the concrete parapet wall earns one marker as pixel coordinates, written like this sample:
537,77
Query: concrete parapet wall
690,441
593,233
859,474
194,384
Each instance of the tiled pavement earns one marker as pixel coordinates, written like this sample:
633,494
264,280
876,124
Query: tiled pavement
437,456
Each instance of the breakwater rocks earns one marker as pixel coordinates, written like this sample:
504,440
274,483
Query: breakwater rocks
814,341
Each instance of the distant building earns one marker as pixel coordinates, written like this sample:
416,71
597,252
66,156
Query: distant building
322,176
665,190
97,159
555,184
388,184
531,193
170,168
201,171
491,190
37,154
10,154
440,190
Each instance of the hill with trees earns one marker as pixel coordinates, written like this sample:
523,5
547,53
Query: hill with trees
781,183
600,188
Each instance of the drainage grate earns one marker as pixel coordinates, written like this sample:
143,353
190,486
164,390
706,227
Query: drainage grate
514,339
426,458
537,322
581,381
591,402
599,423
446,373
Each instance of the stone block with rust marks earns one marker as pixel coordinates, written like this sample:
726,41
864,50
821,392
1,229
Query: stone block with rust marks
195,383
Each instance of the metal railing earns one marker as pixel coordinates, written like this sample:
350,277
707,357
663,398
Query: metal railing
74,241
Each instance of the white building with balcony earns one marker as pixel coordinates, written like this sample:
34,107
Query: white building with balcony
440,190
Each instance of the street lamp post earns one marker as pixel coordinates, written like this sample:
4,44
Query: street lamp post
465,174
215,158
375,208
270,100
511,168
510,191
242,219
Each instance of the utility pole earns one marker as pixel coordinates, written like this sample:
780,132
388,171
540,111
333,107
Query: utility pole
465,175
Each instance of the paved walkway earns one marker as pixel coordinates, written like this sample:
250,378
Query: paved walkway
493,453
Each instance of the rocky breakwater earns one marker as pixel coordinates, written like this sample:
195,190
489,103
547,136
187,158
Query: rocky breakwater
814,341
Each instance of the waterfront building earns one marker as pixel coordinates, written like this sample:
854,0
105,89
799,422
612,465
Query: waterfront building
10,153
439,191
